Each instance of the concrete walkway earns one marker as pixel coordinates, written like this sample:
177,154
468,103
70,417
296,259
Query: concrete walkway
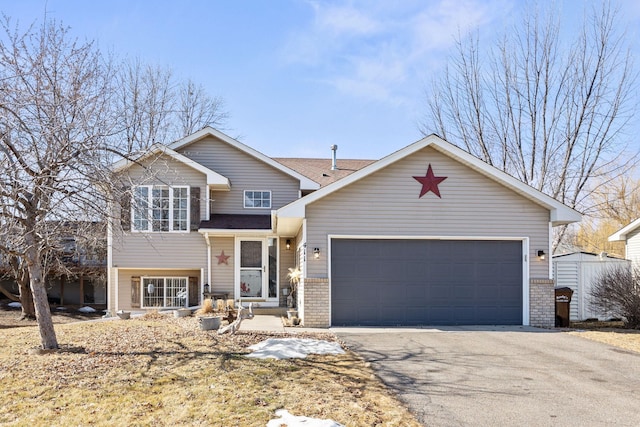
264,323
273,323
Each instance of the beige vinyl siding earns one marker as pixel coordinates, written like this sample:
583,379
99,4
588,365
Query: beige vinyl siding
222,275
287,260
245,173
386,203
124,282
160,250
633,246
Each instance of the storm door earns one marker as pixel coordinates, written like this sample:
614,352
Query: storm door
258,269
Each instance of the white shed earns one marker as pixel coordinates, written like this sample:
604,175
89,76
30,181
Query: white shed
578,270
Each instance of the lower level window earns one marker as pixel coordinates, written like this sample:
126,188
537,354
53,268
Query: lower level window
164,292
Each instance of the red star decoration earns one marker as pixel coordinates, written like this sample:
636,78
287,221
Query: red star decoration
430,182
222,258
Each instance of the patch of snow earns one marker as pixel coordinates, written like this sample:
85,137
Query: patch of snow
87,309
61,308
15,304
293,421
293,348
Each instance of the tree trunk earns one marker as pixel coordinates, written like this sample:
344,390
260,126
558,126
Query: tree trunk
41,304
26,299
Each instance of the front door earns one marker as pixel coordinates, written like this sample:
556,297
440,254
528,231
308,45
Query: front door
258,269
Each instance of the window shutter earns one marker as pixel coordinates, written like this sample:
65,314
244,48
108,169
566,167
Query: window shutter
135,292
195,208
194,293
125,210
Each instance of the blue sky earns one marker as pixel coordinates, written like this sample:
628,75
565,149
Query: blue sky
298,75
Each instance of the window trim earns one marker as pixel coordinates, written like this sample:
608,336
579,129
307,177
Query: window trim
149,218
244,199
164,301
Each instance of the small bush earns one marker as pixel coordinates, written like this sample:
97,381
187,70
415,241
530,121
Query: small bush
617,291
207,307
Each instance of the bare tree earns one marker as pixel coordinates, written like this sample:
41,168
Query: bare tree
145,101
549,113
155,107
615,203
18,270
55,119
196,110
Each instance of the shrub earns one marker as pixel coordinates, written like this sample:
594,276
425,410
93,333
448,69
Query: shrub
207,307
617,291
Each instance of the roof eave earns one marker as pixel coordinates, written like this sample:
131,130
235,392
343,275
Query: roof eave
621,235
305,183
560,214
214,179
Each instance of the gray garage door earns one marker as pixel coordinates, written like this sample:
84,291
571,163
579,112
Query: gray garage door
426,282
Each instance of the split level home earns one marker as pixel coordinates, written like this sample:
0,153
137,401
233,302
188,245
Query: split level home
428,235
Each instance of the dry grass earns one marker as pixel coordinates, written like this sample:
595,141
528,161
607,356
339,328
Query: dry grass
611,333
162,371
207,307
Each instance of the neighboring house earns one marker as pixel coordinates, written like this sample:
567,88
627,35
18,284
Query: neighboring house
578,271
630,235
427,235
79,276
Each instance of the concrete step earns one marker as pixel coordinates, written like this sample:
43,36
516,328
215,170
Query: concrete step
273,311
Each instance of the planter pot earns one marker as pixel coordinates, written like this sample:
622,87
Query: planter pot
292,313
124,314
210,323
181,312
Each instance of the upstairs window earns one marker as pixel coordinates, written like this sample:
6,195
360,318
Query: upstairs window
160,208
257,199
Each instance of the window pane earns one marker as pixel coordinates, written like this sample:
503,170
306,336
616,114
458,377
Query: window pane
251,254
140,208
180,203
176,292
160,208
251,283
153,291
273,268
257,199
248,199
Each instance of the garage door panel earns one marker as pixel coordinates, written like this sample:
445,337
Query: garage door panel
413,282
415,291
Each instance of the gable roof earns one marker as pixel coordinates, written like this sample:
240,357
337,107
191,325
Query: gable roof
319,170
559,213
305,182
213,178
621,235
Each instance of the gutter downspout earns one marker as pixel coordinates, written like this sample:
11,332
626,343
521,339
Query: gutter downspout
206,238
110,297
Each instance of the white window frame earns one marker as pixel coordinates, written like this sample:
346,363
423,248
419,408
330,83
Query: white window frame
144,292
244,199
149,218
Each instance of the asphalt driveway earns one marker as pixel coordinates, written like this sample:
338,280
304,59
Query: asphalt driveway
503,376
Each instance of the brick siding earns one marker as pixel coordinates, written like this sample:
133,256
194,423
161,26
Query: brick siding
315,300
542,309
